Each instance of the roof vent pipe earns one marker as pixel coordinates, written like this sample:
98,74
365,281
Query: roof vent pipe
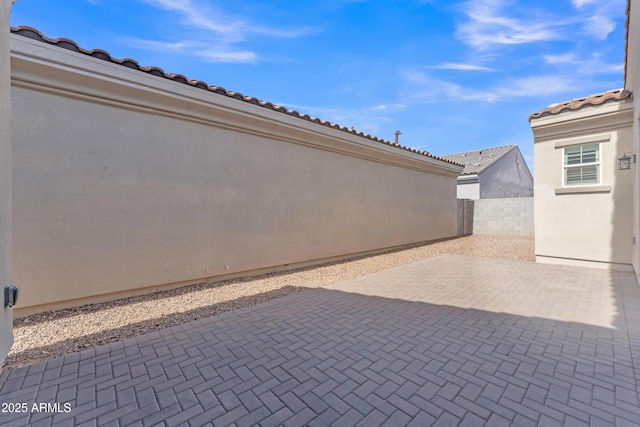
397,134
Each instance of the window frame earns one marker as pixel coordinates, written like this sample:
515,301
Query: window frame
597,163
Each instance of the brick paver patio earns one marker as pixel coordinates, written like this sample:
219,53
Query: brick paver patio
451,340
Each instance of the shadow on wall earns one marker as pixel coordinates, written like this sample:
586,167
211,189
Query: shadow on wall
622,239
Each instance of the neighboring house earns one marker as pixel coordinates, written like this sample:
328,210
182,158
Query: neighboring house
493,173
587,202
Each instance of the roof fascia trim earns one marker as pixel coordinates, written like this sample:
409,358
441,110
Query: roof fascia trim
38,66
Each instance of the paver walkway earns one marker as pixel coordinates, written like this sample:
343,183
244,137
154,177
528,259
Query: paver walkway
451,340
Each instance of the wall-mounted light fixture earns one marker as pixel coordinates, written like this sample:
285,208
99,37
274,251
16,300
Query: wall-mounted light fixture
625,161
10,296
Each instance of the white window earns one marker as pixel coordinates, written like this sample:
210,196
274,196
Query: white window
582,164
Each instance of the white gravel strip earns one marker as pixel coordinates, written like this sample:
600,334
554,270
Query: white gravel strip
53,334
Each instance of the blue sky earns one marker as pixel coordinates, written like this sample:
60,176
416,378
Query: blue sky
452,76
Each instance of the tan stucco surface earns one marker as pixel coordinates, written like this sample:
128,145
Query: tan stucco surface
582,227
633,83
123,181
6,314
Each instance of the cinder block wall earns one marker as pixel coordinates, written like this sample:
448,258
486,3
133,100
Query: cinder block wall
504,217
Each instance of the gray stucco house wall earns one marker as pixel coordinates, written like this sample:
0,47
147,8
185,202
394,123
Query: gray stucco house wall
493,173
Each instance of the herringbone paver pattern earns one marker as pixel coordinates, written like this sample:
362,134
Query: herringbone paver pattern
532,345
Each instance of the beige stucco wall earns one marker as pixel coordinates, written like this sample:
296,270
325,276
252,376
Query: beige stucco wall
584,228
633,83
6,314
125,181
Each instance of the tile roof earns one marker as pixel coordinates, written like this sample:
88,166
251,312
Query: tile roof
578,103
65,43
479,160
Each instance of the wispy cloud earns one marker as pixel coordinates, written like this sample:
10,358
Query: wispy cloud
429,89
538,86
206,52
565,58
214,19
591,65
219,55
160,46
579,3
491,23
368,119
488,25
426,88
202,16
218,32
599,26
388,107
597,17
461,67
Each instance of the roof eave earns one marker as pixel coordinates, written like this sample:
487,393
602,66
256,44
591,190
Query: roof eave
63,43
609,97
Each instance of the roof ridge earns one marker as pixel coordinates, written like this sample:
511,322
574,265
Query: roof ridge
481,149
477,161
69,44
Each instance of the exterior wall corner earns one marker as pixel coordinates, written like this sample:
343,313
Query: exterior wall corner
6,278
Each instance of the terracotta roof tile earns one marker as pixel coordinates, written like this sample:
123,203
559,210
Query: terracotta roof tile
578,103
64,43
479,160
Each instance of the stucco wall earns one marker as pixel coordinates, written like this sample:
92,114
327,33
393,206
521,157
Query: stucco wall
633,83
504,217
508,177
6,313
593,226
468,190
123,181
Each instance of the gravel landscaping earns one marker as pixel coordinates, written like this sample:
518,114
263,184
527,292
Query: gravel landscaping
53,334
